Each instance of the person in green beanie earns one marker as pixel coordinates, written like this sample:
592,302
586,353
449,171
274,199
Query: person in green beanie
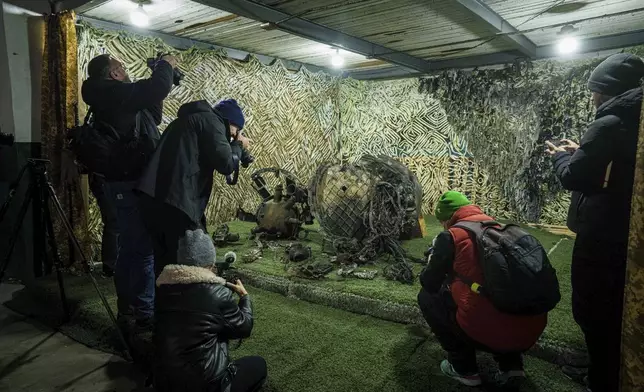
462,320
448,204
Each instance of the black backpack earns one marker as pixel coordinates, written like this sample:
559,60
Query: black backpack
519,278
102,150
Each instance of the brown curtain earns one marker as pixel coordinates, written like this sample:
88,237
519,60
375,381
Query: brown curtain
59,112
633,336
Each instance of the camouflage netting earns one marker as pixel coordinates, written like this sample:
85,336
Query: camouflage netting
290,116
480,132
506,116
394,119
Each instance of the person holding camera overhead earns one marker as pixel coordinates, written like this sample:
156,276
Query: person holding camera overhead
178,180
131,113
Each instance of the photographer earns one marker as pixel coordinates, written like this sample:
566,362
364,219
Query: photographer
178,181
600,173
133,112
195,317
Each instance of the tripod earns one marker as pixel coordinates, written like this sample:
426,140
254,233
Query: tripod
41,192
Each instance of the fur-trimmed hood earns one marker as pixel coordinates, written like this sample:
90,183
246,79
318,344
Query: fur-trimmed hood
187,274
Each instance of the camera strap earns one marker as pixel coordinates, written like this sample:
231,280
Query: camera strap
90,111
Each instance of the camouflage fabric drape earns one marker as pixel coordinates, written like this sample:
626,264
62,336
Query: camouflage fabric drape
59,112
633,336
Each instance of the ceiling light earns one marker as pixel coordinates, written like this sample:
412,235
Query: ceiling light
139,17
568,45
337,61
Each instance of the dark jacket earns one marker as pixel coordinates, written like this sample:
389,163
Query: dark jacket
454,255
601,202
195,315
193,146
118,103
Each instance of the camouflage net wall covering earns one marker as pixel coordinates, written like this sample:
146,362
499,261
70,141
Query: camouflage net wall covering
480,132
394,119
291,116
506,115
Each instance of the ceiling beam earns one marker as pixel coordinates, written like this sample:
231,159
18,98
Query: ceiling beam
44,6
383,73
590,47
500,25
87,5
316,32
186,43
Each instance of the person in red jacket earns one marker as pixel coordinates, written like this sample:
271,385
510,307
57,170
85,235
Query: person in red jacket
462,320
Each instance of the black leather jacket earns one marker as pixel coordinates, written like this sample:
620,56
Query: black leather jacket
196,315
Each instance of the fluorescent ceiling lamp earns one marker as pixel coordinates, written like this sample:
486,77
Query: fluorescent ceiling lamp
568,45
337,61
139,17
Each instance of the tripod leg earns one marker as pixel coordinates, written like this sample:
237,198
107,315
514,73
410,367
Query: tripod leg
49,233
16,230
88,268
12,192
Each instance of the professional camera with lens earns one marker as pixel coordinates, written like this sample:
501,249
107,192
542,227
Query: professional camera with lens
7,140
178,75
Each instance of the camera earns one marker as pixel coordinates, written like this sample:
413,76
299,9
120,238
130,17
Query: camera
177,77
6,139
225,268
246,158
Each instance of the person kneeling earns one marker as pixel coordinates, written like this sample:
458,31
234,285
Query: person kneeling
196,316
462,320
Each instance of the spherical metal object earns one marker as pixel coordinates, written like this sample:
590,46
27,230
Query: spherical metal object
373,197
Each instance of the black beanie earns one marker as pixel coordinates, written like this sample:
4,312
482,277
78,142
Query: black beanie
617,74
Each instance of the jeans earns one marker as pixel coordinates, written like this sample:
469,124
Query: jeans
109,242
598,279
134,275
439,310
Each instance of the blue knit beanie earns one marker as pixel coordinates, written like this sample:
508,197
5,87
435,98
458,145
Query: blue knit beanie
231,111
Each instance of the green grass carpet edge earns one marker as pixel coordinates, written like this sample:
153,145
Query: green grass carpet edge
546,349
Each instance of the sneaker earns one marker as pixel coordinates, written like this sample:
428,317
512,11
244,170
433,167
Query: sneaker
471,380
512,378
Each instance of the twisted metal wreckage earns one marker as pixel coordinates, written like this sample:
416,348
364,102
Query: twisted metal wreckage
364,210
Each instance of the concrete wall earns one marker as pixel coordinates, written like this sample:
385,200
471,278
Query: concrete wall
20,70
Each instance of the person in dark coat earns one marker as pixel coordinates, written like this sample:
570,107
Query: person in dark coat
196,316
129,109
464,321
178,180
600,173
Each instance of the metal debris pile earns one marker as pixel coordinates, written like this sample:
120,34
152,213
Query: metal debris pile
365,209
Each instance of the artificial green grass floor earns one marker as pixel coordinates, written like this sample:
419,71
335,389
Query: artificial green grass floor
561,330
308,348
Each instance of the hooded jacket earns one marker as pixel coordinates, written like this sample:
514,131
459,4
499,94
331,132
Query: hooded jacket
195,317
118,103
455,254
600,173
192,148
